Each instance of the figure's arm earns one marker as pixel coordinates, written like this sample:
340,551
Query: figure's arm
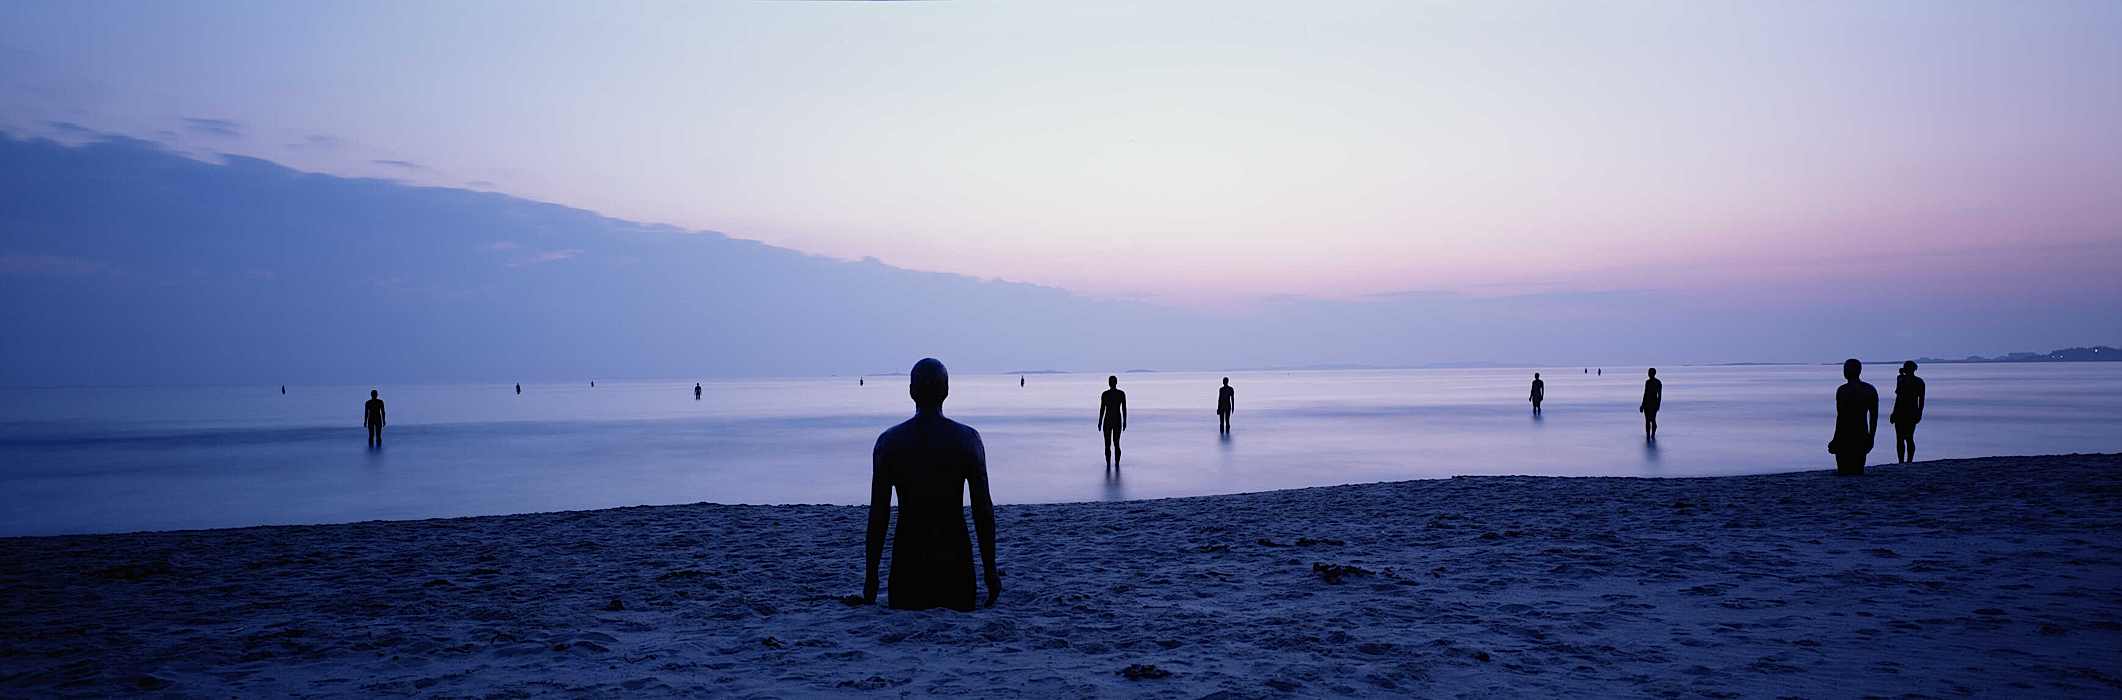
1123,411
382,415
1872,413
1101,414
880,520
984,520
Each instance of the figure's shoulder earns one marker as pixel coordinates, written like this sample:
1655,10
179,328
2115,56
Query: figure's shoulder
896,434
961,430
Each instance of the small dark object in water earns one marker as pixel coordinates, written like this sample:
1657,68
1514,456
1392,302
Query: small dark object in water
1308,542
1265,542
1136,672
1333,573
616,605
773,642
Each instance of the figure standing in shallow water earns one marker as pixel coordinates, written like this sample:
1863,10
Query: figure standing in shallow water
1226,404
372,418
1112,418
519,389
696,391
1653,396
1908,410
1539,393
931,461
1856,421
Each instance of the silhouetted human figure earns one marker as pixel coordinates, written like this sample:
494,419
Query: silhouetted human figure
859,382
1908,410
283,390
1602,372
1856,421
1112,418
372,418
519,389
1539,392
593,384
932,461
1020,381
696,391
1653,396
1226,404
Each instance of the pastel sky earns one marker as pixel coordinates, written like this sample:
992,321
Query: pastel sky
1752,154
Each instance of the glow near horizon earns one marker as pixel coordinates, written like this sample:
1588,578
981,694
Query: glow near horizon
1194,153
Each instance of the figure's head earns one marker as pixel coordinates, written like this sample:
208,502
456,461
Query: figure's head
1112,381
1908,367
929,383
1226,381
1536,375
1654,373
1851,368
372,393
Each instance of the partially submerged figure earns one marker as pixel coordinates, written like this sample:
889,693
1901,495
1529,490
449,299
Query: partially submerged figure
372,418
930,461
1112,418
1653,396
1226,404
1539,392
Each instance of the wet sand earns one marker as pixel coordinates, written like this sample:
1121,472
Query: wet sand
1984,577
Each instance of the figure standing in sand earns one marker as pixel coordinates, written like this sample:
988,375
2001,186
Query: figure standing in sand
1226,404
1539,393
1908,410
932,461
1856,421
1112,418
372,418
1653,396
696,391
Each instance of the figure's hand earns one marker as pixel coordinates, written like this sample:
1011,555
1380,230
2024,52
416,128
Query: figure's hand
994,586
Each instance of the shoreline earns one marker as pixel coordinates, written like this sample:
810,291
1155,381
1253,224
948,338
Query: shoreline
1997,575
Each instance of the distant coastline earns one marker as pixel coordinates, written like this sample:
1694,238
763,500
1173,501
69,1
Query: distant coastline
2097,353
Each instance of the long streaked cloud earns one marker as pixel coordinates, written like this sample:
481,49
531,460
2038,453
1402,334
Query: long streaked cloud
222,128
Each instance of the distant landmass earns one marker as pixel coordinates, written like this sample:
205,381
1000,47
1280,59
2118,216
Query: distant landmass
2097,353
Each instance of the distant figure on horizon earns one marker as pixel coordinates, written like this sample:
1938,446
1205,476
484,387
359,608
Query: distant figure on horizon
1856,421
1112,418
519,389
283,390
1539,392
1908,410
932,461
372,418
1226,404
1653,396
859,382
1602,372
696,391
1020,381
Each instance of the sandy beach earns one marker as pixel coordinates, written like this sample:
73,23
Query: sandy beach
1985,577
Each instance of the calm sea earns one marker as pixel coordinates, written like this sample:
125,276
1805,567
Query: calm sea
78,460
